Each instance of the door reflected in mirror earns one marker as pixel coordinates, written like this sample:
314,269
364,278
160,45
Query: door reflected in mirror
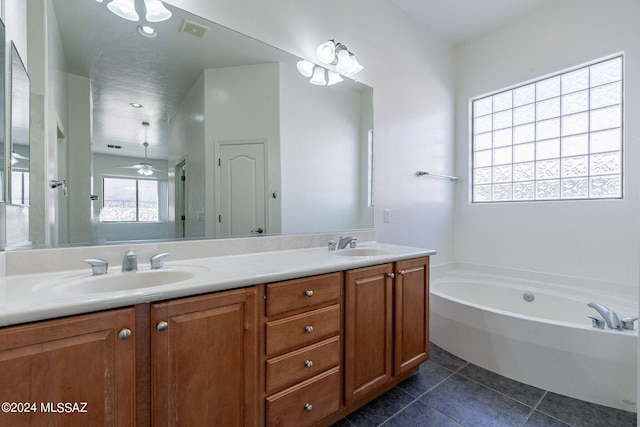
241,142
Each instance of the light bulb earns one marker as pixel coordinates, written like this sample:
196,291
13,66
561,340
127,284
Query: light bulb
124,9
326,52
318,77
333,78
156,12
305,67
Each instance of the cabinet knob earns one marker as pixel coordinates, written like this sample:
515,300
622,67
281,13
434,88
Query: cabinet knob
309,293
124,334
309,329
391,275
308,364
401,272
308,407
162,326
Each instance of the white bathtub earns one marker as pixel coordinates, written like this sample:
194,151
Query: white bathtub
548,343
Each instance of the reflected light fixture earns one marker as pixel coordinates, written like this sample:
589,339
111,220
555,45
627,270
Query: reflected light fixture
156,11
147,31
124,9
145,168
318,77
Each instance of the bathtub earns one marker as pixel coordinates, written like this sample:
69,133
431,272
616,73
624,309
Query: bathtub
548,343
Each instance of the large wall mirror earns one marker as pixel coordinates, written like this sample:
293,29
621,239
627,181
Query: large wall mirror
3,129
193,130
20,95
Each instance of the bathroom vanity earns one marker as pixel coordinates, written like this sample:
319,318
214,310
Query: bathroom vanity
301,351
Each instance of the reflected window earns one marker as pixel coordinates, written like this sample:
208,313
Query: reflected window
133,200
556,138
20,188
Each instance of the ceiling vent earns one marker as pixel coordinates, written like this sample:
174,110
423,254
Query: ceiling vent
116,147
193,28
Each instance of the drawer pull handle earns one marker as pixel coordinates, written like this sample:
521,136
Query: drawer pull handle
401,272
124,334
308,364
308,407
309,293
391,275
162,326
309,329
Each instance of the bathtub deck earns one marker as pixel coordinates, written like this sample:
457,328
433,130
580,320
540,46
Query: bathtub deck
449,391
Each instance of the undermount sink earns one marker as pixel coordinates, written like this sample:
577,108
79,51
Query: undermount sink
363,252
114,282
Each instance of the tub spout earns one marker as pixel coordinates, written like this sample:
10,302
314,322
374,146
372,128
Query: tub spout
610,317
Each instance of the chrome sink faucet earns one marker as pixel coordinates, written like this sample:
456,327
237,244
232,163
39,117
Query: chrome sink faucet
157,260
98,266
344,241
610,317
130,261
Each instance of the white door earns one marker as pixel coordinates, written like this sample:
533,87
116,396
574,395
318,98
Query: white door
242,188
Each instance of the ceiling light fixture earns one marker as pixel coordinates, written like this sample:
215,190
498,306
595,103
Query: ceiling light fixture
156,11
147,31
136,105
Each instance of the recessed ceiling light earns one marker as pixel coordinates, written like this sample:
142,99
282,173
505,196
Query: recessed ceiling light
147,31
136,105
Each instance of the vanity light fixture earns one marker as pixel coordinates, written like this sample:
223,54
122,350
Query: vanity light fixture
156,12
320,76
337,54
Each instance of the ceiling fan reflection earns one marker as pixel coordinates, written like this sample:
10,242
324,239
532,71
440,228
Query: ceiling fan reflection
144,168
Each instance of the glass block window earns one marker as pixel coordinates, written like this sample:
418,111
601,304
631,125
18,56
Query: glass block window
553,139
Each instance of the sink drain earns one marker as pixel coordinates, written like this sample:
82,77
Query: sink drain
528,296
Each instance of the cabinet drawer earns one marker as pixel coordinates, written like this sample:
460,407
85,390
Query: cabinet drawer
290,368
302,329
307,403
301,293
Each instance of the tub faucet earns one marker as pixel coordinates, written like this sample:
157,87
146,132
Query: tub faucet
130,261
610,317
344,241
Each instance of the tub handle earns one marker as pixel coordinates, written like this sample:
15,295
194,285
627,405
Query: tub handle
596,322
627,322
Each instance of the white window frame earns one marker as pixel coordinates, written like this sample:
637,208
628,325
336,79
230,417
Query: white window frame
492,181
161,204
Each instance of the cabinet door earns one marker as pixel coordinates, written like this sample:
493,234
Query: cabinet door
69,372
411,314
368,329
204,360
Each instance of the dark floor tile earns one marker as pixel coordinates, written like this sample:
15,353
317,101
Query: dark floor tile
444,358
420,415
538,419
379,410
523,393
342,423
579,413
429,375
473,404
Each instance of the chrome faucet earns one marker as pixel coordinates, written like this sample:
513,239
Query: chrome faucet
98,266
130,261
344,241
157,260
610,317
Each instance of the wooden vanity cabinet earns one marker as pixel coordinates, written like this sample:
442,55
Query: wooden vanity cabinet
301,353
204,360
71,371
386,324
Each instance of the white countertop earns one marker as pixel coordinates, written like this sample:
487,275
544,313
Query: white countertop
29,297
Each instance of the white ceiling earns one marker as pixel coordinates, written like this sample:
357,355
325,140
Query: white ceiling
457,21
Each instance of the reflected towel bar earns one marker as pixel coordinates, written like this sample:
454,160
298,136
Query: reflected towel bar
452,178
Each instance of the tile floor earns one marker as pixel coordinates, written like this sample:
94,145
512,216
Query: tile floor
448,391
